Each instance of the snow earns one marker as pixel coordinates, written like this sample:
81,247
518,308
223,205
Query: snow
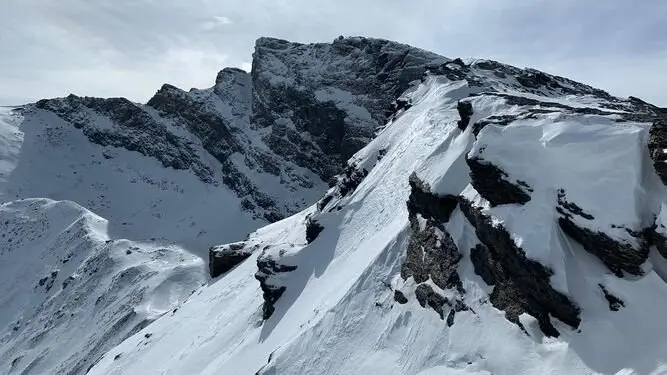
592,158
70,292
11,138
357,114
135,193
338,316
166,219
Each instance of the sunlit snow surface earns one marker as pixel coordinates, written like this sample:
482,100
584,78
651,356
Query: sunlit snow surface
338,315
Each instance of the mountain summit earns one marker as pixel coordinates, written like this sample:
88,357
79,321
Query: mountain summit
427,215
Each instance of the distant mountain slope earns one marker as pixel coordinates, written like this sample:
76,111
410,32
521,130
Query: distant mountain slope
252,149
504,221
69,293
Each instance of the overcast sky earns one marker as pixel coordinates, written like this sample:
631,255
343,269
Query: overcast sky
130,47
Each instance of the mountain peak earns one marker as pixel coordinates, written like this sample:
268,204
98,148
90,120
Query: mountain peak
355,200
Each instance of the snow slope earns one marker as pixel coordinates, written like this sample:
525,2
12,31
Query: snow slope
558,168
69,292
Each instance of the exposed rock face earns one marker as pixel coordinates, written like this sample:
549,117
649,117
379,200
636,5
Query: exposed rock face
658,239
225,257
431,253
657,144
267,267
427,296
399,106
337,93
429,205
615,303
570,209
617,256
400,297
343,185
500,120
465,111
458,306
210,127
349,180
492,184
313,229
521,285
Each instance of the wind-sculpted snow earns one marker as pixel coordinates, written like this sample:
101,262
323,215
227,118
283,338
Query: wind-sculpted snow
69,293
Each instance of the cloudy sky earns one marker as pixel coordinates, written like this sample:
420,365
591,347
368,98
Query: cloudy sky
130,47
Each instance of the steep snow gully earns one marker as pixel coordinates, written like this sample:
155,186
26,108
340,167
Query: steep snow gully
479,219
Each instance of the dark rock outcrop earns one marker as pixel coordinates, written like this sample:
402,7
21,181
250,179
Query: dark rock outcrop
343,185
615,303
268,267
252,196
397,107
521,285
429,205
453,70
427,296
374,72
457,307
532,79
617,256
465,112
657,145
570,209
632,111
349,180
501,120
313,229
400,297
223,258
658,239
431,252
492,184
209,126
485,265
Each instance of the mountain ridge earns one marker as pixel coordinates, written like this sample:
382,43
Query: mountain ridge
464,143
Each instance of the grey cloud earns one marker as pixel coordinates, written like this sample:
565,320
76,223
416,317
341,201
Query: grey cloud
130,47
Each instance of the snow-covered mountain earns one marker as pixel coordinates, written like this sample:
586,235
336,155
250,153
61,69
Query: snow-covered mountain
480,219
69,292
184,172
